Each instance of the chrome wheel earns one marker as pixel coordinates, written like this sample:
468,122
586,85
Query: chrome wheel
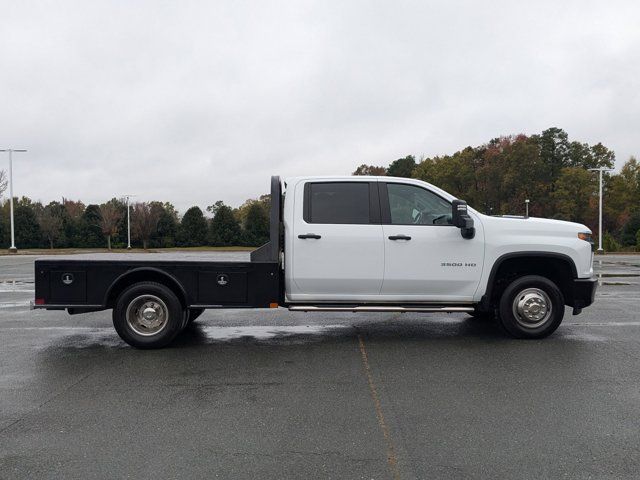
147,315
532,308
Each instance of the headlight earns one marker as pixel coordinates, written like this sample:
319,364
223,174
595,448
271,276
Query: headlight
586,236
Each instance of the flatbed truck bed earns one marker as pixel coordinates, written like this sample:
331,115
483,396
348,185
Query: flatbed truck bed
91,282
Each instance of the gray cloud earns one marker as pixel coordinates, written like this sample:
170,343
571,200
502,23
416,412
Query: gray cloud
193,102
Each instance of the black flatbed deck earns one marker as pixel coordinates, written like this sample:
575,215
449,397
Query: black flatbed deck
240,279
82,283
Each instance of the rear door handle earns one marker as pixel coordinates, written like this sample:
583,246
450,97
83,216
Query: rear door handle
309,235
399,237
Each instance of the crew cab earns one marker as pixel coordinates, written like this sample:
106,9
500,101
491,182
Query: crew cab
354,244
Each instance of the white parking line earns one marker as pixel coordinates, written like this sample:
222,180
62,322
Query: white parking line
604,324
14,304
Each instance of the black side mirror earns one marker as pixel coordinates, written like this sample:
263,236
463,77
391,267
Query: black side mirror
461,219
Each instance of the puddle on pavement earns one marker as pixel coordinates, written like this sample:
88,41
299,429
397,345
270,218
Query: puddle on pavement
266,332
89,337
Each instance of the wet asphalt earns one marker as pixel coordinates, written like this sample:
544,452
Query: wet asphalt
275,394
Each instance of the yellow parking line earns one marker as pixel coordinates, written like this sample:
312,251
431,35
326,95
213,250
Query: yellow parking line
392,459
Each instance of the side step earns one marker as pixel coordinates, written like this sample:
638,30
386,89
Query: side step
374,308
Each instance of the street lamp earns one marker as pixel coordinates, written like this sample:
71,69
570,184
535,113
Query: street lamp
526,206
128,222
600,169
12,248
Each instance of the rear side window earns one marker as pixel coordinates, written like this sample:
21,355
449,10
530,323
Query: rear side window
338,202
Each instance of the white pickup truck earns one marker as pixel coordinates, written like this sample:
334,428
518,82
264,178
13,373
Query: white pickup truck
353,244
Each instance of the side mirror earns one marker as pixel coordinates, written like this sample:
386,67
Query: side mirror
461,219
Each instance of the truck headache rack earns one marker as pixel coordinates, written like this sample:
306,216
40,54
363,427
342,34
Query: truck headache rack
270,251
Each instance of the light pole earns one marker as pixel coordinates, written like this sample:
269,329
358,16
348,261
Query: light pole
128,223
600,169
526,206
12,248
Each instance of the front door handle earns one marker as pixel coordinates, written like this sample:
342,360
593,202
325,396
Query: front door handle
309,235
399,237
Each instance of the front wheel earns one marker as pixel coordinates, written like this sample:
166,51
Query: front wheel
531,307
148,315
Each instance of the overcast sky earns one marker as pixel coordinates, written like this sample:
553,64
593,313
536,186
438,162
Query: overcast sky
193,102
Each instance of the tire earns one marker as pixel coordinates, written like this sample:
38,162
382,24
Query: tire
156,329
194,313
185,319
531,307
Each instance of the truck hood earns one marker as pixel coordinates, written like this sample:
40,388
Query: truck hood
534,224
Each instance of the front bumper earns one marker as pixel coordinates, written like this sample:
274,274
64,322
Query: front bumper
584,291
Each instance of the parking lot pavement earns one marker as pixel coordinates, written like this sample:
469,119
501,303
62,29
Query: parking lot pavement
276,394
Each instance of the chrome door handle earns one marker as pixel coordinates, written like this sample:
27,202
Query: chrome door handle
309,235
399,237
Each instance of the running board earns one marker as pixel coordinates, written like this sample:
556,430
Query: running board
374,308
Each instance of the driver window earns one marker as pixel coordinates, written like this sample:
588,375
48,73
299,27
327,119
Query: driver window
412,205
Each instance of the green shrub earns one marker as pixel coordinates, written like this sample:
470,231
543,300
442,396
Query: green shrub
609,244
628,233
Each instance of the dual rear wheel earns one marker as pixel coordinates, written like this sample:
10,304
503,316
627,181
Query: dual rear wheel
150,315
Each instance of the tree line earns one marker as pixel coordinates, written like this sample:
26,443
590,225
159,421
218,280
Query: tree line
72,224
496,178
548,169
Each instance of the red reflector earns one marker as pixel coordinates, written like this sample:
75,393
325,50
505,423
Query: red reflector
39,301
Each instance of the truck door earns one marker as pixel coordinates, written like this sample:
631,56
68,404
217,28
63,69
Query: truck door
426,258
337,251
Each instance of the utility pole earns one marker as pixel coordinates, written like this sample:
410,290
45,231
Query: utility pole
128,223
12,248
601,170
